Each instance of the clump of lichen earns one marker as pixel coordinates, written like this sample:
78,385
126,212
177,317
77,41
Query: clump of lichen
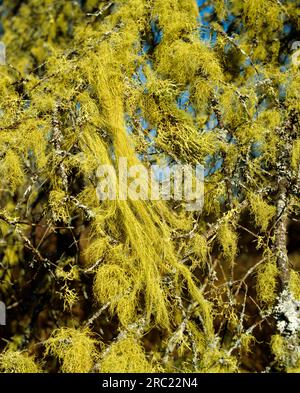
75,349
295,284
218,361
201,249
96,83
263,212
296,155
286,351
125,356
58,205
247,340
266,282
17,362
111,282
278,348
228,240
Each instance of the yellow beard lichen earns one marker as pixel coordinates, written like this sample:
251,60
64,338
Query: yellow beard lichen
246,341
228,241
125,356
74,348
113,284
17,362
200,248
266,282
263,213
218,361
134,79
278,347
295,284
11,170
296,155
58,206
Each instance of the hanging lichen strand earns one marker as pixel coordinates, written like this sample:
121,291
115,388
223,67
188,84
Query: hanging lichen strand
143,285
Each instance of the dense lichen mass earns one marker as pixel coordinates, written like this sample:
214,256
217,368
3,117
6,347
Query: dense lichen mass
146,285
